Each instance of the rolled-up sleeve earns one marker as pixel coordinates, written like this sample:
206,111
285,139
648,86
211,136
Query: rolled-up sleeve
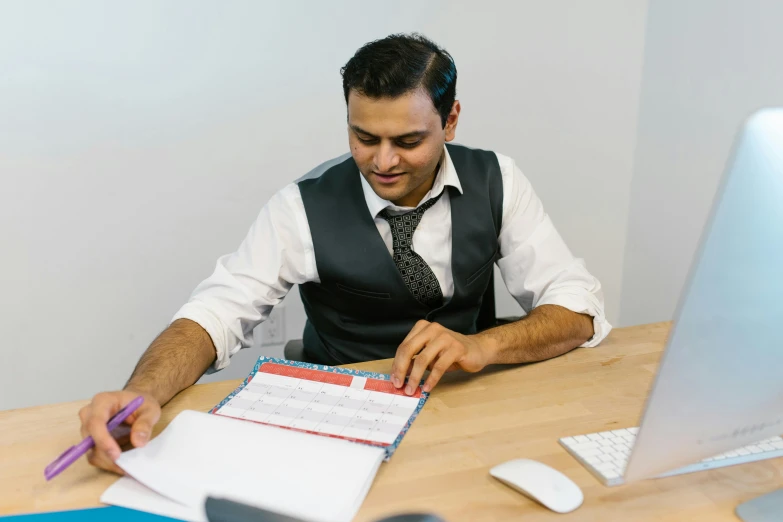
536,264
247,284
200,311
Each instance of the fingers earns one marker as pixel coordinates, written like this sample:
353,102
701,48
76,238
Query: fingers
418,327
412,344
142,422
121,434
425,359
103,406
137,427
444,363
101,460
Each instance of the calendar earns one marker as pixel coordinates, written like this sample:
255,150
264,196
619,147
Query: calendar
359,406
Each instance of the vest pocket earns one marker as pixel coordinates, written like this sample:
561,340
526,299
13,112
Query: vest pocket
483,269
364,293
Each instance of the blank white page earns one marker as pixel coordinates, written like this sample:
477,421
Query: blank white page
128,493
303,475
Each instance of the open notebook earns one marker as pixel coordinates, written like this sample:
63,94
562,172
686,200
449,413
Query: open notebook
299,439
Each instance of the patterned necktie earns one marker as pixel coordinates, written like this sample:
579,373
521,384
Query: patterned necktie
415,272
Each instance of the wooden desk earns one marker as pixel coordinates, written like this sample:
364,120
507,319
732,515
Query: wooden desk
469,424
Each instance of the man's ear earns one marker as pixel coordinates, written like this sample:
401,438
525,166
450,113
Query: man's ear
451,121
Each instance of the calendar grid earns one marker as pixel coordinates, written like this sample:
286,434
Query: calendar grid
356,406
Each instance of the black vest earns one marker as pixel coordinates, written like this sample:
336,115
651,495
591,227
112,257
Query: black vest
362,310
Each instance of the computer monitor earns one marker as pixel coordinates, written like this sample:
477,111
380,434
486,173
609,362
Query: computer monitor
720,382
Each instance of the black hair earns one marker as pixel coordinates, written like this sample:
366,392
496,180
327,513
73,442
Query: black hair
401,63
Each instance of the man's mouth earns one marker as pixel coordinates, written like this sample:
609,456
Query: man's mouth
387,177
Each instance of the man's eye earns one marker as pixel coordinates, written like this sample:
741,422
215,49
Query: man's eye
368,141
409,144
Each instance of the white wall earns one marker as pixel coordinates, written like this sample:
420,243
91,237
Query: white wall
138,141
708,65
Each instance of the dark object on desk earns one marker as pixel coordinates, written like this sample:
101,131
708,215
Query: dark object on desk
294,349
222,510
767,508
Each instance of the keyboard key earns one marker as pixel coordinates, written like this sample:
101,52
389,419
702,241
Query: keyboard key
766,447
569,441
581,439
633,430
595,437
586,445
743,452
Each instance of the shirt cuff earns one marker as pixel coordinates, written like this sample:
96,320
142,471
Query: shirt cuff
214,327
601,326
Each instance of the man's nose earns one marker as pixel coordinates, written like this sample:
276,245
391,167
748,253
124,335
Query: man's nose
386,158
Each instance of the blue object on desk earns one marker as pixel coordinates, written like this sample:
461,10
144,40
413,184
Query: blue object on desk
111,513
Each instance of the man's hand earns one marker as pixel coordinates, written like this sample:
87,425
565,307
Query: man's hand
174,361
96,415
430,346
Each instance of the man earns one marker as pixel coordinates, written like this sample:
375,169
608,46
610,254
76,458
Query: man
393,247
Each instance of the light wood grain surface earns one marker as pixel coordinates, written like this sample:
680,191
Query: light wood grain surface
469,424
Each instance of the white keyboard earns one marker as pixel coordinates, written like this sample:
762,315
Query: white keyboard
605,454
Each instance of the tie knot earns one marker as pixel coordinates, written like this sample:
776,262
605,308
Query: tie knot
404,225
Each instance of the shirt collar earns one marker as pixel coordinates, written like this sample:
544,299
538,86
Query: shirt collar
446,176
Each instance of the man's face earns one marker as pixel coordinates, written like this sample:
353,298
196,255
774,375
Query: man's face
397,143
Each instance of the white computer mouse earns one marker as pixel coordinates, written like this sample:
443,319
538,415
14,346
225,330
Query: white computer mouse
541,483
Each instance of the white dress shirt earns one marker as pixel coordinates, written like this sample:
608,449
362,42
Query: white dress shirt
536,265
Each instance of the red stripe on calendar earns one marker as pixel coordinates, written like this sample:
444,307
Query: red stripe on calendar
388,387
340,379
306,373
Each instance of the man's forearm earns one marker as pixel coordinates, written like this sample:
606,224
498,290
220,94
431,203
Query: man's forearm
175,360
548,331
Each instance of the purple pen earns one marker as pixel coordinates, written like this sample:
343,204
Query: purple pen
70,455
